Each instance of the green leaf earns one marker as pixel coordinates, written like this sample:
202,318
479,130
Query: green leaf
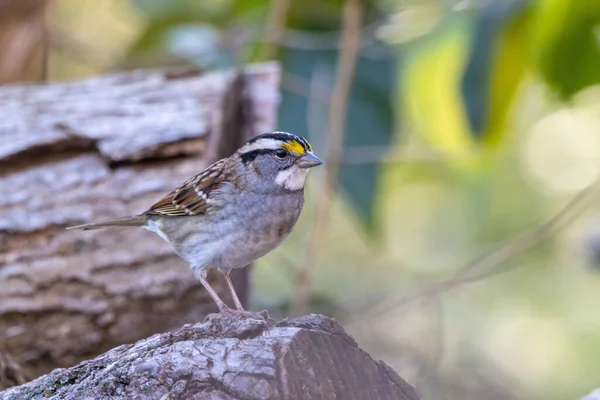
460,81
495,67
567,44
369,117
430,80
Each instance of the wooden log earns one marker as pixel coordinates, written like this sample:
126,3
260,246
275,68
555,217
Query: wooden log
102,148
229,358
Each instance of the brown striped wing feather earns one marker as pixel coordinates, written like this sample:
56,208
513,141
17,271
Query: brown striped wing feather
193,197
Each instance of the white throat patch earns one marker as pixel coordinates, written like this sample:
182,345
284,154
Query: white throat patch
292,178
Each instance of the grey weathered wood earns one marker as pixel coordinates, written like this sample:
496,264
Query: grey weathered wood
229,358
94,149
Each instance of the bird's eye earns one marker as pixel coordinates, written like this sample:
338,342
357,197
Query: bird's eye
280,153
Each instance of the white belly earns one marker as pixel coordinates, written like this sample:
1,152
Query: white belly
233,242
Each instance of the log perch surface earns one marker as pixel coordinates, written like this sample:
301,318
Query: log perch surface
311,357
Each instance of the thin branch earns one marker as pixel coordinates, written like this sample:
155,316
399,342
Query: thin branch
359,155
351,39
46,45
274,29
525,241
306,40
301,86
317,114
429,370
11,373
73,47
488,265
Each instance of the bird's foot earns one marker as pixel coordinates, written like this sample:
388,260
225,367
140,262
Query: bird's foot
226,312
229,312
232,313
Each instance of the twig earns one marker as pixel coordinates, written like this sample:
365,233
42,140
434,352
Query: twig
275,28
73,47
11,373
429,371
301,86
46,44
307,40
488,264
525,241
358,155
320,86
351,38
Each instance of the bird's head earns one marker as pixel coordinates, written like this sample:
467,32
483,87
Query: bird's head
279,160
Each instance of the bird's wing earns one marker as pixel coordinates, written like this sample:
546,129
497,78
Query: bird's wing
193,197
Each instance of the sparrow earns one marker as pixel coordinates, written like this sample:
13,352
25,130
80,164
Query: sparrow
234,212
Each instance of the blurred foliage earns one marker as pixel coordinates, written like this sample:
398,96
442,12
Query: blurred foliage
430,84
488,49
477,58
503,99
193,30
369,118
495,66
565,44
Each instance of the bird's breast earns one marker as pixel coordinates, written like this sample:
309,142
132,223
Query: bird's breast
261,227
233,236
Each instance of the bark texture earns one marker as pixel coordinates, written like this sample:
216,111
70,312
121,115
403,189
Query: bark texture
229,358
96,149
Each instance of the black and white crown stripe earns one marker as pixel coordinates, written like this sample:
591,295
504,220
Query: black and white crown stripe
272,141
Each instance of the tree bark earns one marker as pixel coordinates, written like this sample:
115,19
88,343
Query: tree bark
229,358
97,149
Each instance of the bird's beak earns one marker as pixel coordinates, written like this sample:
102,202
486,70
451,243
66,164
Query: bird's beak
309,160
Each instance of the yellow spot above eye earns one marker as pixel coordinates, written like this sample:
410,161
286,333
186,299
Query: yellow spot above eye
294,147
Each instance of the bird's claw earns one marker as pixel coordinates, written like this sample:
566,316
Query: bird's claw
229,312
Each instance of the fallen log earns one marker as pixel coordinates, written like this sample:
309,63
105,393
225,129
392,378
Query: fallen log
305,358
101,148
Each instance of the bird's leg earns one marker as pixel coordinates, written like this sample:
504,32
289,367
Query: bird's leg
223,308
238,304
236,300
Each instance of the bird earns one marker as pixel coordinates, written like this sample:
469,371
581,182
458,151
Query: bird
232,213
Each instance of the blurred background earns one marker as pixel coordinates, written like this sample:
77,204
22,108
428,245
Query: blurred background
458,238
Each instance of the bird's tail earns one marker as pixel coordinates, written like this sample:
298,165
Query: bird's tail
136,220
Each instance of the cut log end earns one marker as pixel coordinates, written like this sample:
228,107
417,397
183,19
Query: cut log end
310,357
